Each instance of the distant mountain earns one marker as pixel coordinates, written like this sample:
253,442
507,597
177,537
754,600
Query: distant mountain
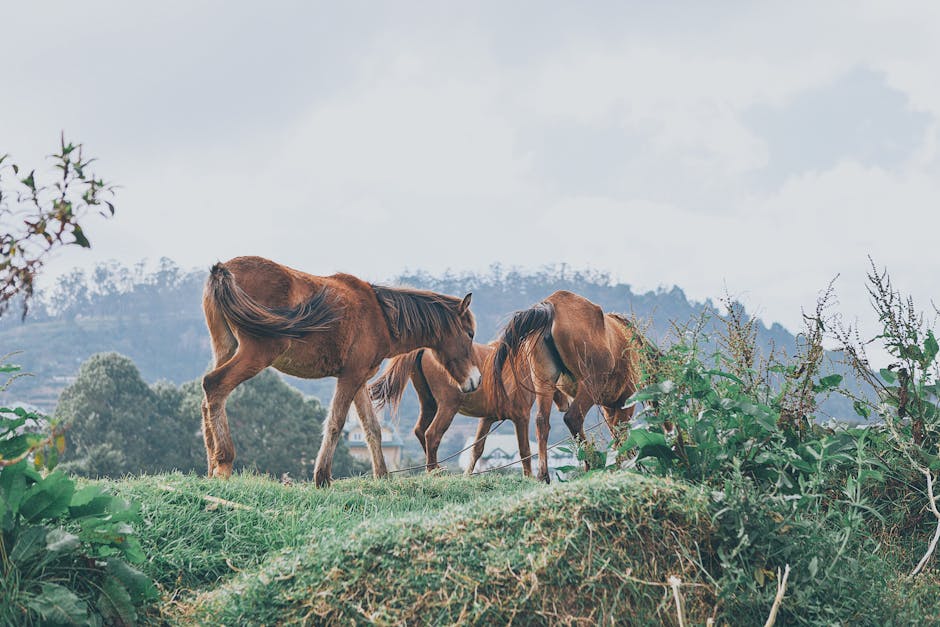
155,318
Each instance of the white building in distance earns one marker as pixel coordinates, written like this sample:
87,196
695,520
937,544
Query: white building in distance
503,449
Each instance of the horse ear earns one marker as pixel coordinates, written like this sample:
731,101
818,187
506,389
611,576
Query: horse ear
465,303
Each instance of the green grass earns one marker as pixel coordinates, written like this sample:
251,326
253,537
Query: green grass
438,549
445,549
192,542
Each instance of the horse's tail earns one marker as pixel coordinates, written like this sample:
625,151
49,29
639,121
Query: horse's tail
250,316
534,322
388,388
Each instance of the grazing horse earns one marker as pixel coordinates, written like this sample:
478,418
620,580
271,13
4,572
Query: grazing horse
574,346
262,314
441,398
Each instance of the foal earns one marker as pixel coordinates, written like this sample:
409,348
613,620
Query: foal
261,314
440,399
574,346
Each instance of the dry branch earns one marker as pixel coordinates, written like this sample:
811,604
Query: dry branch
932,501
213,500
781,590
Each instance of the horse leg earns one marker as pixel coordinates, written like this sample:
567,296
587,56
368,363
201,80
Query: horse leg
574,417
207,436
545,375
428,409
543,401
370,425
224,346
479,443
522,437
247,361
346,390
442,419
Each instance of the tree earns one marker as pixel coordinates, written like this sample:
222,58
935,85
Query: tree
118,424
37,218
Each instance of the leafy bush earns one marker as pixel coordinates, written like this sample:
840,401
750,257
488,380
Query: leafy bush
837,573
731,416
908,392
65,552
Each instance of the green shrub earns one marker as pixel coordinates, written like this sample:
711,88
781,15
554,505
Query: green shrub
65,552
837,574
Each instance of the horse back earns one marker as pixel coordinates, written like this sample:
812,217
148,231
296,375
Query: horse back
359,332
579,335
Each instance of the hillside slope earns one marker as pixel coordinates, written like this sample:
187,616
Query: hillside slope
601,549
431,549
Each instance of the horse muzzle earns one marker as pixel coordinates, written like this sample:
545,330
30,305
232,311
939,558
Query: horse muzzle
472,382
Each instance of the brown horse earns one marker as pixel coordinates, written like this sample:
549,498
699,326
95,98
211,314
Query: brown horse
440,399
573,345
262,314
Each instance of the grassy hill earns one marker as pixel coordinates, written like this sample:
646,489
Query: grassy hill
434,550
482,550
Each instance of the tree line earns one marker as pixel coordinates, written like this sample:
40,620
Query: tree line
118,425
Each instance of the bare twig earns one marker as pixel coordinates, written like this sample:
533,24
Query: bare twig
932,501
213,501
674,583
32,449
781,590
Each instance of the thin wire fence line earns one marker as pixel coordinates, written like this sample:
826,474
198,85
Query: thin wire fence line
450,457
570,438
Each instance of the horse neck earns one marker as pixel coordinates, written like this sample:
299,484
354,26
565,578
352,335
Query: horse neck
408,342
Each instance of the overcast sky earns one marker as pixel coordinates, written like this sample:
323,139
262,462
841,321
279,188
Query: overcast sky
761,147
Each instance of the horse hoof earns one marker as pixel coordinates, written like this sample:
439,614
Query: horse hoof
546,478
222,471
322,478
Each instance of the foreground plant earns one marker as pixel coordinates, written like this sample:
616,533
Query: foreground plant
908,389
37,217
65,552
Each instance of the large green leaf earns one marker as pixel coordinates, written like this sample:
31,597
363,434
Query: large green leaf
58,605
91,500
115,603
60,540
648,444
48,498
888,376
29,541
931,348
13,486
139,585
829,382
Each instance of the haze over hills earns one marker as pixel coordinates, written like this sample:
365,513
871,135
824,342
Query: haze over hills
155,318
